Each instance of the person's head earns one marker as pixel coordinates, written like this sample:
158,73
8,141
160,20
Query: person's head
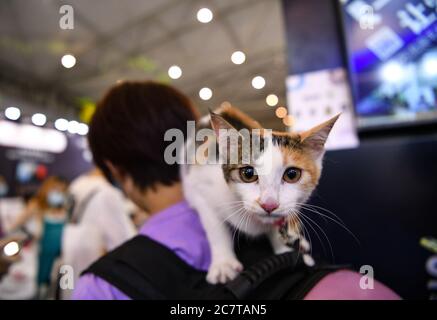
127,131
51,193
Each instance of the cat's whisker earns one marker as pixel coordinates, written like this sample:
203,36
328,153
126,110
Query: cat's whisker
233,214
315,231
293,215
232,205
323,232
239,223
239,211
303,205
233,202
305,231
337,222
314,211
244,221
323,209
246,217
297,214
226,209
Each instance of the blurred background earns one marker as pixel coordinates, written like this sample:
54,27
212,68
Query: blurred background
287,63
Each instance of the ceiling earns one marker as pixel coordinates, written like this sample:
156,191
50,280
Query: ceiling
115,40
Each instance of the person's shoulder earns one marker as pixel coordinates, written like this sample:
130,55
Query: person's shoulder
84,182
91,287
106,199
182,232
109,193
349,285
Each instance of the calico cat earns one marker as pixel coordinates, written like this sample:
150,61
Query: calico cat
246,195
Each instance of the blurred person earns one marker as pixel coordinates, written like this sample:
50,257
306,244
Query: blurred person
99,222
6,260
126,139
18,271
48,208
4,188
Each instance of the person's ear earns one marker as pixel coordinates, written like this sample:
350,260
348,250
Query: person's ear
125,181
315,138
115,172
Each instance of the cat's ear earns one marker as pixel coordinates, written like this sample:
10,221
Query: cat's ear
314,139
228,138
219,125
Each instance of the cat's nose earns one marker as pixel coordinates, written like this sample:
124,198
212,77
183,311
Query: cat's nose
269,206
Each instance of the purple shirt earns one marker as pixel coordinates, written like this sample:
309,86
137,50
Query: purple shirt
178,228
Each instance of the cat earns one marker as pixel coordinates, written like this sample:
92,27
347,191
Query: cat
246,195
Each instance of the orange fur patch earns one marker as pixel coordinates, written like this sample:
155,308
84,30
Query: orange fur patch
235,113
302,159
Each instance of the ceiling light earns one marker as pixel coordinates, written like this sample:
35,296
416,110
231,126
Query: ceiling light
82,129
12,113
27,136
281,112
204,15
205,93
73,126
39,119
272,100
288,120
61,124
174,72
238,57
68,61
258,82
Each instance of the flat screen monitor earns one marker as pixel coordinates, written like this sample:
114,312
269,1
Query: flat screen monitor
392,55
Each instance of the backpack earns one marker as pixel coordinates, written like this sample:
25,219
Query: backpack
144,269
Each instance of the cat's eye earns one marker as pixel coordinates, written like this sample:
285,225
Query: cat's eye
292,175
248,174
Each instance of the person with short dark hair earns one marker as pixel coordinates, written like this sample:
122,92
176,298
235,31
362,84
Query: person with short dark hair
126,138
127,132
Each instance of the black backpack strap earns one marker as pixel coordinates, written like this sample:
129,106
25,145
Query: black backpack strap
78,211
145,269
253,277
278,277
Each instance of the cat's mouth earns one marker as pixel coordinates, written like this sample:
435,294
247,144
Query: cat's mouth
269,219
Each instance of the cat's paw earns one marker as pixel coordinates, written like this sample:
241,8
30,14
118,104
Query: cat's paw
223,270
